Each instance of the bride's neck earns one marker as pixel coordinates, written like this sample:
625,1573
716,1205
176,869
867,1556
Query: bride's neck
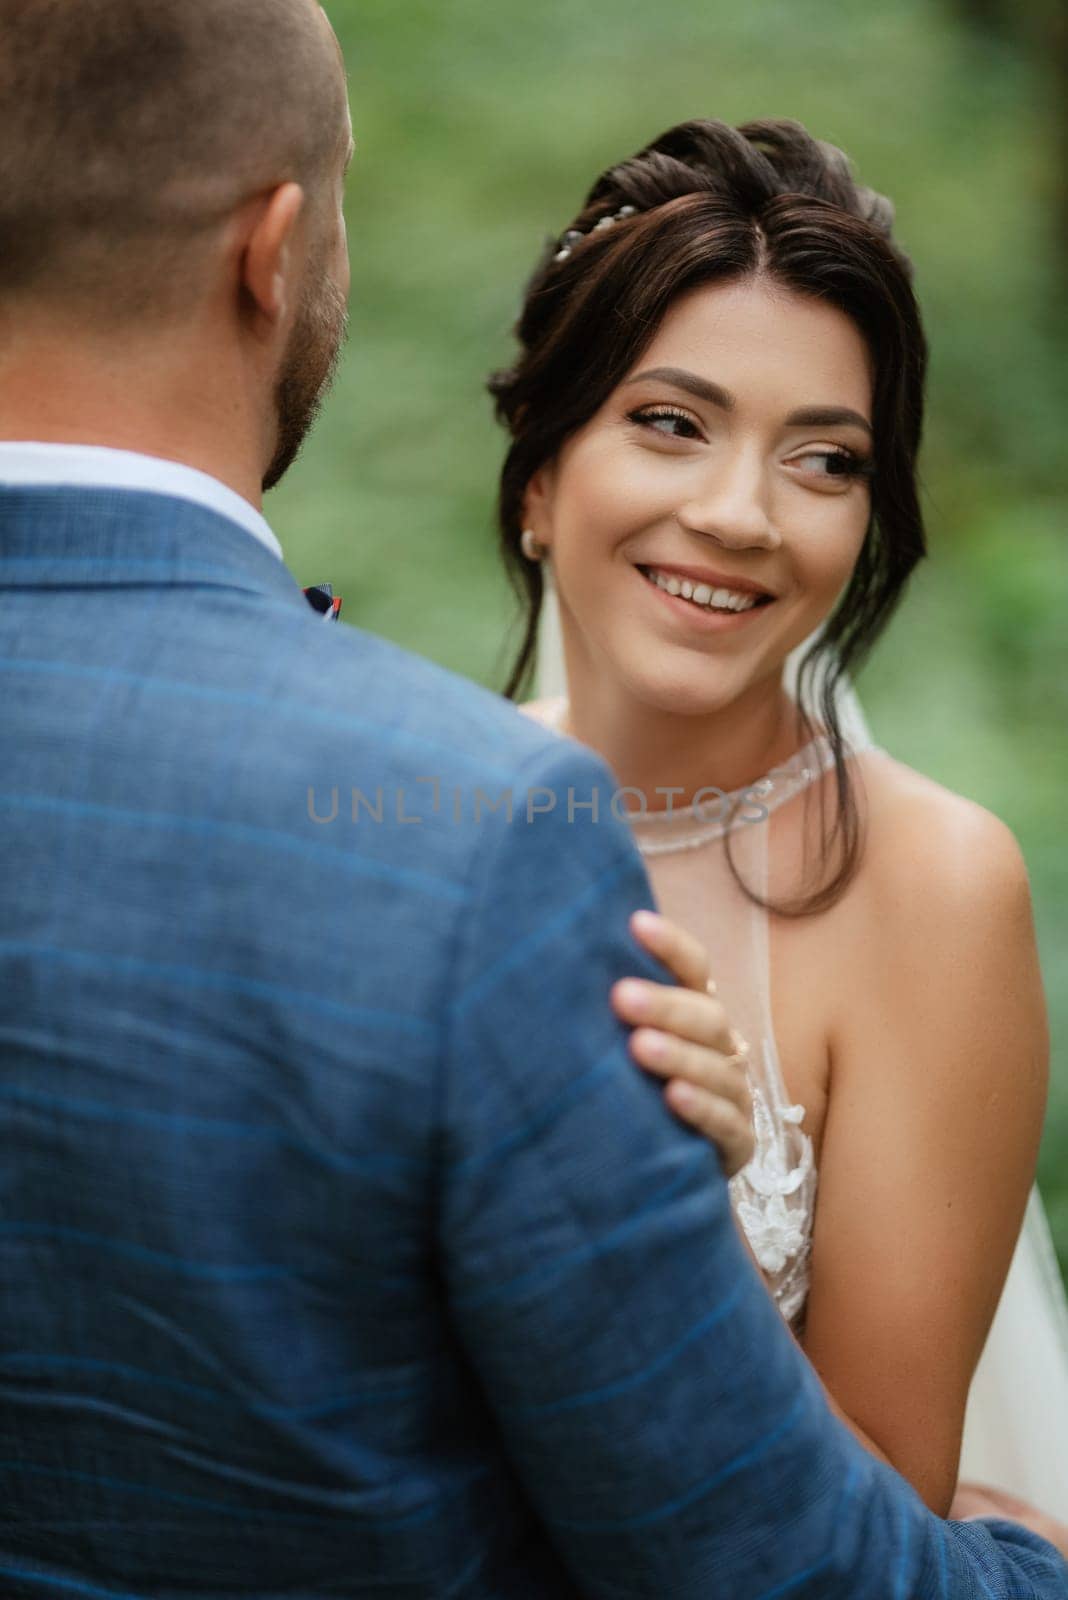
651,749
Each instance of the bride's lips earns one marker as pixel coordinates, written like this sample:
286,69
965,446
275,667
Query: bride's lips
703,621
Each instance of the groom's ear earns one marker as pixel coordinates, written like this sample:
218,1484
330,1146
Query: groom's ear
271,261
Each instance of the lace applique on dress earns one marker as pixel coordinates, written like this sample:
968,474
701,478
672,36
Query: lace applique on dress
774,1196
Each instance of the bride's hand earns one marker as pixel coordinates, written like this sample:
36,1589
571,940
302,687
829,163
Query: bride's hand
980,1500
683,1034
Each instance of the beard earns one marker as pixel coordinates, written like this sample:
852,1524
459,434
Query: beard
308,370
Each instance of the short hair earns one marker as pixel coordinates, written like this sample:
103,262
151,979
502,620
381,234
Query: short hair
129,129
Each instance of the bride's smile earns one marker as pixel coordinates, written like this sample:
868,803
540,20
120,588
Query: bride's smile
709,600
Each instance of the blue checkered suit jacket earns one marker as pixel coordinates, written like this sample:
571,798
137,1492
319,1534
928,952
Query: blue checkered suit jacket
344,1250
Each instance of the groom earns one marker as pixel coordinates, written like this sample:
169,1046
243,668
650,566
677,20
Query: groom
344,1250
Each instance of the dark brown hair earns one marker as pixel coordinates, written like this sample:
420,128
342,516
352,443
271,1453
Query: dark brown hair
715,204
129,127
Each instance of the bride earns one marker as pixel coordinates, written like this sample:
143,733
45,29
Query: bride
715,416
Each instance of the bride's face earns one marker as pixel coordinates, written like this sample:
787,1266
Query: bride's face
732,449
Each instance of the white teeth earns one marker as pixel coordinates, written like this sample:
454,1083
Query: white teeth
703,594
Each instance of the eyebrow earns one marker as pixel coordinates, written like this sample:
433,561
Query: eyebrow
704,389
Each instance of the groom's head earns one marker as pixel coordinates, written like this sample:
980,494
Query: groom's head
170,165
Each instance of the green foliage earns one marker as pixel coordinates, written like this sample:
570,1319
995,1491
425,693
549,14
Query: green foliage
479,126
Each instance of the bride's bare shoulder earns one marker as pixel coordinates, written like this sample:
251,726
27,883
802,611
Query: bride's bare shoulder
925,839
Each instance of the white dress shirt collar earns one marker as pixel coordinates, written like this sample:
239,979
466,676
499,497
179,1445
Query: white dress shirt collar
96,466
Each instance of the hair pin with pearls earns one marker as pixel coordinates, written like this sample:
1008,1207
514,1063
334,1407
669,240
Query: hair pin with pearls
573,235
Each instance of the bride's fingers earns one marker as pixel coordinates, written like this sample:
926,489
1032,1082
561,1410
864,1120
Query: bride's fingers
681,952
705,1070
697,1017
718,1121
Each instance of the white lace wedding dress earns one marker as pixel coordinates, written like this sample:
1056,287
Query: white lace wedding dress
1016,1430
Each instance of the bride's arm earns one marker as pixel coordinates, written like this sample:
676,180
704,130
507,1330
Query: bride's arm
937,1095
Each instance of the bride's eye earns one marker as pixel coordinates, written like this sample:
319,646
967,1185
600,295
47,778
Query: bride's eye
665,420
840,463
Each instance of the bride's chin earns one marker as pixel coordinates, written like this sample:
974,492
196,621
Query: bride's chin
685,697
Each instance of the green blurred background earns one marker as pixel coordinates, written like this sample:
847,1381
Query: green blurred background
480,124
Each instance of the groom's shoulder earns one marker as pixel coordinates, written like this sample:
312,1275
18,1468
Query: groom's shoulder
374,692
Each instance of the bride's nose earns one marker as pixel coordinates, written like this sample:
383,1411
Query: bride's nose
731,508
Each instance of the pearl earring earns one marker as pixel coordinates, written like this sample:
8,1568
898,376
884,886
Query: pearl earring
530,546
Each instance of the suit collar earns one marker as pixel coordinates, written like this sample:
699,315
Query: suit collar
80,537
91,466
